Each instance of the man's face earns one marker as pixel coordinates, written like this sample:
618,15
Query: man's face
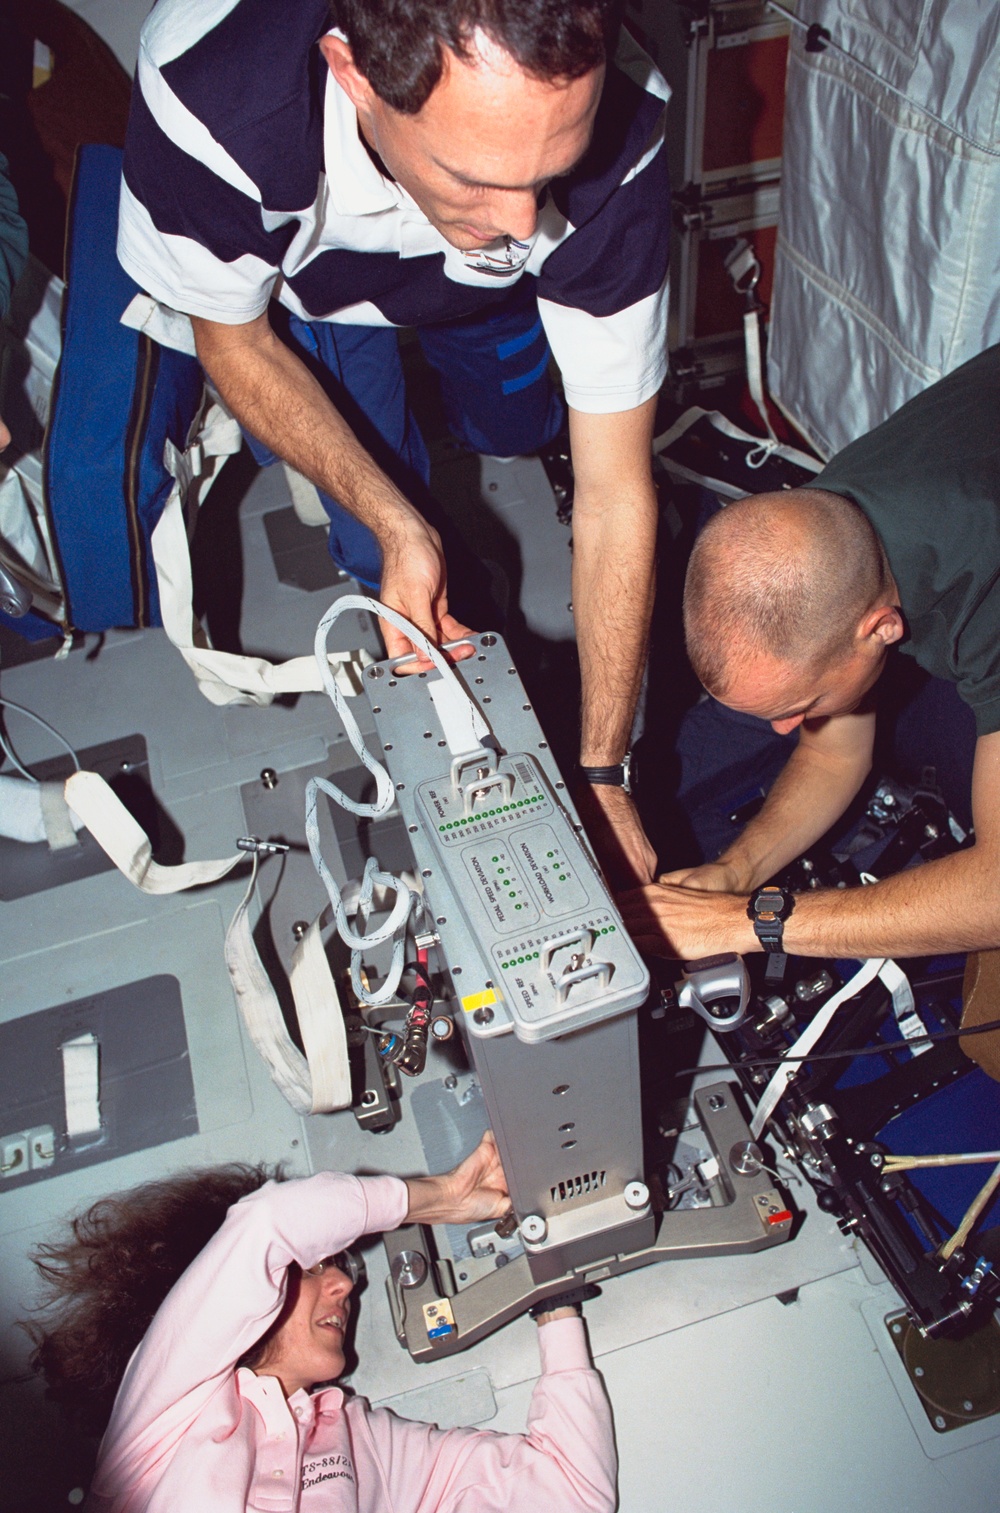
786,694
488,140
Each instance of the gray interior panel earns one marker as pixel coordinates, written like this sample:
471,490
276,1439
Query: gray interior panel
146,1089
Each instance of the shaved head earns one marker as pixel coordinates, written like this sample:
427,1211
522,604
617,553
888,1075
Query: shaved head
786,576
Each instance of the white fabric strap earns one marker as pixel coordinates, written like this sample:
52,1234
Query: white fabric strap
223,677
21,810
317,1085
59,829
755,371
81,1059
462,723
775,1090
321,1083
128,845
904,1007
321,1022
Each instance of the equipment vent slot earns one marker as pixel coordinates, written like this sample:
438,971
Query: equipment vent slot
577,1187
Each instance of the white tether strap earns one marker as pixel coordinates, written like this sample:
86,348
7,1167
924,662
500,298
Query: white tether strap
81,1059
878,966
320,1081
223,677
319,1085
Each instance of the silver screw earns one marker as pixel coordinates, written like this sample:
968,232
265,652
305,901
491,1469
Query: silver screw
483,1016
269,778
299,928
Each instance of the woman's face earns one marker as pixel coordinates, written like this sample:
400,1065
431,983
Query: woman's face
308,1344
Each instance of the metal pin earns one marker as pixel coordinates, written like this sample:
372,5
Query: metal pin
262,848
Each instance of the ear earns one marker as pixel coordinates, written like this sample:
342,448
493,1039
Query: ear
352,81
884,623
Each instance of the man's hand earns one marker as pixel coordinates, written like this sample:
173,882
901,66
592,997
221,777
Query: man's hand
4,436
273,394
710,877
687,922
475,1191
415,582
612,822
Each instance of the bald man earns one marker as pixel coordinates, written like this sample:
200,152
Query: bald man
792,605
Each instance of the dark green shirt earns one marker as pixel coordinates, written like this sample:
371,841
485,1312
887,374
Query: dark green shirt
929,481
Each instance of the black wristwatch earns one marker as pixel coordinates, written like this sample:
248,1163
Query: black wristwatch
769,908
618,776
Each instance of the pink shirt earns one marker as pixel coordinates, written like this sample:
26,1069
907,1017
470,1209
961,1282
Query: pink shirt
190,1434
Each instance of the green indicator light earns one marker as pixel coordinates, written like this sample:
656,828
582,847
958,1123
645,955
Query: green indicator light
517,906
494,858
550,853
604,931
519,961
511,895
440,827
500,870
612,928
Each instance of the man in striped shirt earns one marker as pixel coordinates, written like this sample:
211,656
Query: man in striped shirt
303,179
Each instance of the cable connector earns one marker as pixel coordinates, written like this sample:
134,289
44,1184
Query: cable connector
260,848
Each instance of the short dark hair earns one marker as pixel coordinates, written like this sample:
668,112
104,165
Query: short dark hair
107,1276
785,575
397,44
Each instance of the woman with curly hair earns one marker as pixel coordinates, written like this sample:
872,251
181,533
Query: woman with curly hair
219,1301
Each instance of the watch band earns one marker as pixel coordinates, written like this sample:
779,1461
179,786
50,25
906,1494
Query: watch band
617,776
768,908
572,1298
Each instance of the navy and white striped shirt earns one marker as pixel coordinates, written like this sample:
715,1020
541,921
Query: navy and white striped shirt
245,179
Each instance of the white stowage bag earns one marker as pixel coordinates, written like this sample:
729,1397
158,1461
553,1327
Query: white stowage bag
887,272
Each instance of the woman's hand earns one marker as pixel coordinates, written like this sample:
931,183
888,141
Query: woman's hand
475,1191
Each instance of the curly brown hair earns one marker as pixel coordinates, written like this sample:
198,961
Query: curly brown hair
105,1278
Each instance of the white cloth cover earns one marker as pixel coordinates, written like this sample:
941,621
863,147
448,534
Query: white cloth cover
31,812
30,343
887,272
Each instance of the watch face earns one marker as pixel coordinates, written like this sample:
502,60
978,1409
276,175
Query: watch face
769,905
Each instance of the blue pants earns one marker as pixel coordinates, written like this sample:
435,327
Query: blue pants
497,393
